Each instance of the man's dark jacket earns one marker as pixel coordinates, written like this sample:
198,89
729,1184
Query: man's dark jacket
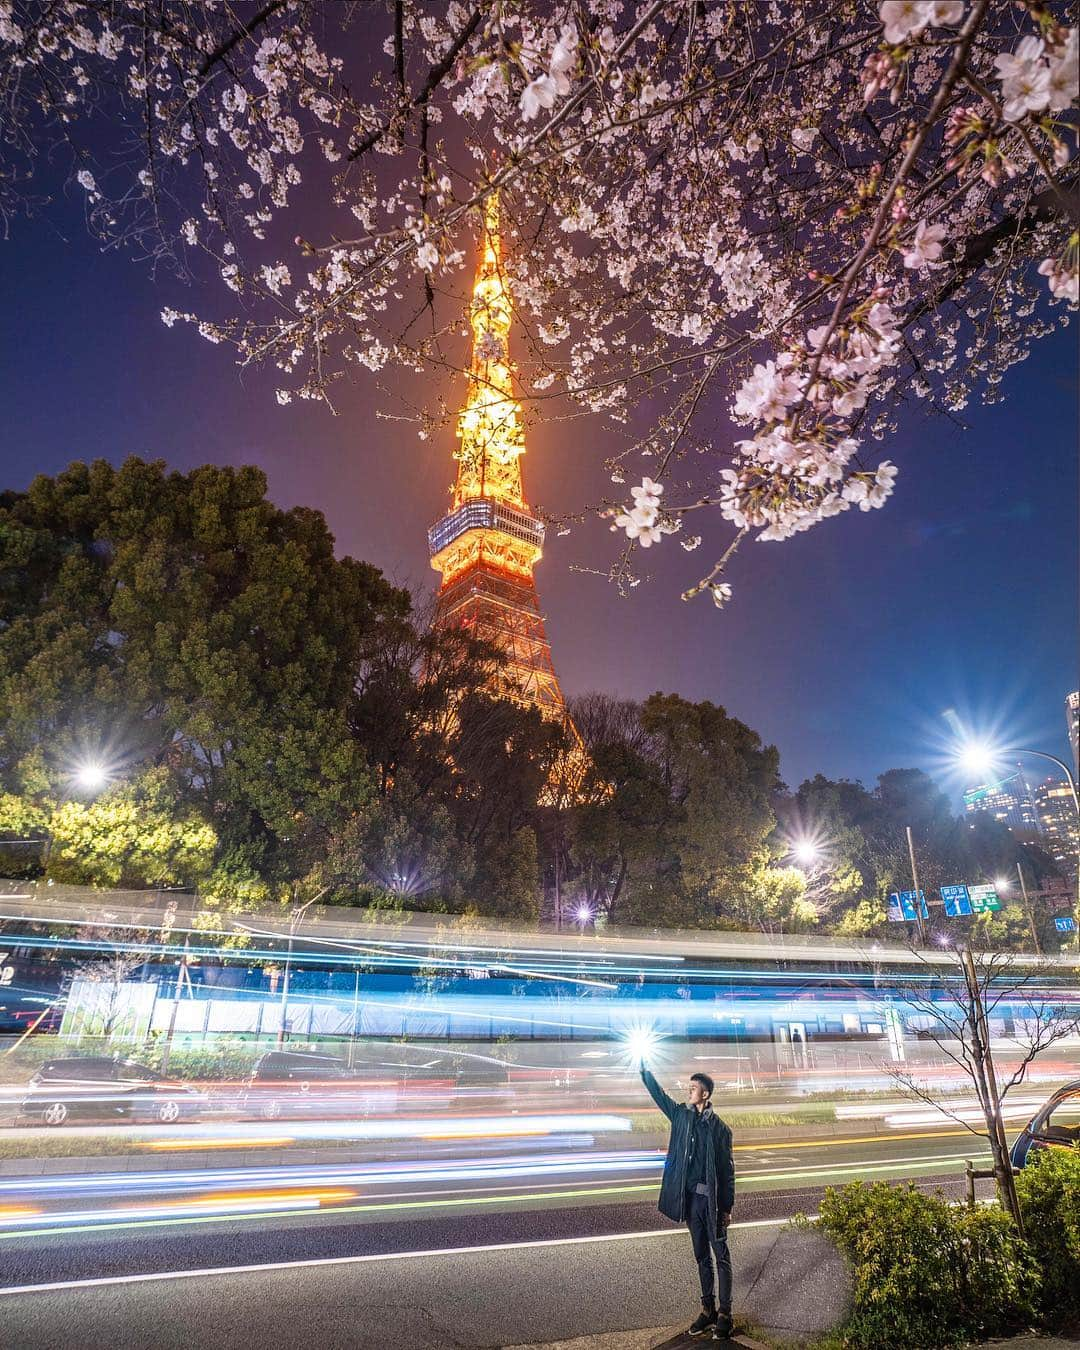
719,1161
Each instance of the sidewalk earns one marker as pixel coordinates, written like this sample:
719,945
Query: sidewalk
675,1338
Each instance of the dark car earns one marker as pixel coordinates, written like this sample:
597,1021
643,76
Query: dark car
94,1086
1056,1124
296,1083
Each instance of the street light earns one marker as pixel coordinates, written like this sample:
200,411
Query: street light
295,920
584,914
90,776
806,852
979,759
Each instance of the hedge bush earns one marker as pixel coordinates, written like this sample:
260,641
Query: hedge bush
1049,1191
927,1275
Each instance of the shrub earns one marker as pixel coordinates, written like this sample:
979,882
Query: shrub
221,1058
1000,1277
926,1275
1049,1191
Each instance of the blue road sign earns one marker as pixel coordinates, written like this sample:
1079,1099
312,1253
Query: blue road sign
1064,924
957,901
902,906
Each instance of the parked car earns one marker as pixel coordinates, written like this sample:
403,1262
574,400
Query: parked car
377,1078
1056,1124
94,1086
296,1083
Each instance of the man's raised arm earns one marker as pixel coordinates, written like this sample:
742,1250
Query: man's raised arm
666,1104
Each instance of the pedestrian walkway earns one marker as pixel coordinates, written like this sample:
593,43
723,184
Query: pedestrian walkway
658,1338
675,1338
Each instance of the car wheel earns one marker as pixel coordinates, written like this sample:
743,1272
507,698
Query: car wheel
56,1113
168,1112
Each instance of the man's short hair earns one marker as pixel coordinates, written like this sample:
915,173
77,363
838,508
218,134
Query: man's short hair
705,1081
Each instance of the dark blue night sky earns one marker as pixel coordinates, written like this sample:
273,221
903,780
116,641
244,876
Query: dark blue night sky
845,647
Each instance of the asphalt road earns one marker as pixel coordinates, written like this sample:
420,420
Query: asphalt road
387,1245
487,1294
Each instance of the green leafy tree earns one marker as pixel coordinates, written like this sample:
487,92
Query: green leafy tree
184,623
771,898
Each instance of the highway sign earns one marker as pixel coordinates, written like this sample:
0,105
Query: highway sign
902,906
957,901
983,899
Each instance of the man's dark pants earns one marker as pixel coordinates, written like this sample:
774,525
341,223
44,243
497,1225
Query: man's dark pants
697,1220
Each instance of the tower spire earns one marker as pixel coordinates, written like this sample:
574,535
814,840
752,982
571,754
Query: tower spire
490,429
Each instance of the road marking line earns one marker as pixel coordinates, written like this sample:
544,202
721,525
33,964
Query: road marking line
108,1280
766,1145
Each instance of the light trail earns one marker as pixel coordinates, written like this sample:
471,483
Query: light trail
283,1202
378,1208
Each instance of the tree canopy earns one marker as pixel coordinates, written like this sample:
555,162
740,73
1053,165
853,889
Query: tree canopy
266,721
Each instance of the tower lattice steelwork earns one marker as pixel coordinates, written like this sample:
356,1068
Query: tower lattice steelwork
488,544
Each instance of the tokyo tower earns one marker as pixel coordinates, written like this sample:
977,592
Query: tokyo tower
489,542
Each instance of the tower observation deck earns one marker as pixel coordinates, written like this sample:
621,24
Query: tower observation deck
488,543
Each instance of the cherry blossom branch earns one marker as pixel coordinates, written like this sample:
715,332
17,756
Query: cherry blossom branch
944,91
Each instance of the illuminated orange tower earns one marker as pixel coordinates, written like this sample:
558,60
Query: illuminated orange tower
488,544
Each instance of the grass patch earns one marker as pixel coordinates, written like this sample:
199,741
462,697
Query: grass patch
64,1146
652,1122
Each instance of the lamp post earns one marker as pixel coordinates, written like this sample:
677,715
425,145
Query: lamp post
979,759
295,920
1029,910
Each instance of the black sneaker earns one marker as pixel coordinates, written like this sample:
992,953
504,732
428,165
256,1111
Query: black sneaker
706,1320
723,1328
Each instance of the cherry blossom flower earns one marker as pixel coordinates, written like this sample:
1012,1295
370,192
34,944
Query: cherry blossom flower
1065,74
640,525
1064,282
767,393
904,19
648,494
537,94
489,346
427,257
276,277
563,60
924,249
721,593
1025,80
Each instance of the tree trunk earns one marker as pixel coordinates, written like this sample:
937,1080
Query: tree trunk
986,1084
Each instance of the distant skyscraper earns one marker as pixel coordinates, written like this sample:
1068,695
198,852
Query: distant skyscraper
1008,800
1057,816
1072,720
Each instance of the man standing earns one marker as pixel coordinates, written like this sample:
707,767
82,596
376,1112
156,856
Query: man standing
698,1189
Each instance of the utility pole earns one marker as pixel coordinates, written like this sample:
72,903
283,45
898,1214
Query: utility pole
181,973
918,893
1028,909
